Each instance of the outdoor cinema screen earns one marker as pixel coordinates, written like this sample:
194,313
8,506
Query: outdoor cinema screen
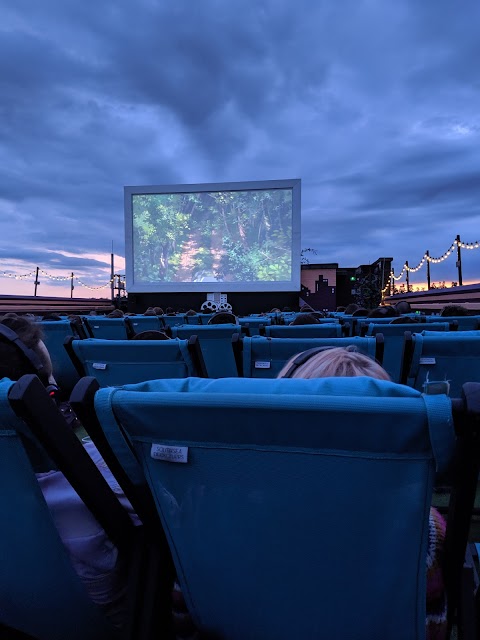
213,237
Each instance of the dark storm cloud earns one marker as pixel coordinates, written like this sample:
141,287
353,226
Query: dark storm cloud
374,105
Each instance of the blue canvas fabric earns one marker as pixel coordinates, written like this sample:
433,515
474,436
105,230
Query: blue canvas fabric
465,323
302,509
117,362
106,328
145,323
216,344
254,323
394,338
264,357
174,321
40,593
54,333
322,330
452,356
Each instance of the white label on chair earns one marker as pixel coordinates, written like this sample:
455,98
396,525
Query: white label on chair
262,364
99,365
169,453
427,361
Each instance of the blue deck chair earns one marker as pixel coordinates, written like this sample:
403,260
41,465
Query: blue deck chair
117,362
394,337
174,321
137,324
216,344
262,485
106,328
329,330
262,357
465,323
435,357
40,592
252,325
55,333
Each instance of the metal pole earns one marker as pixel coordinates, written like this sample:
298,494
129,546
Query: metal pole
71,285
427,253
459,262
382,282
36,283
112,275
408,276
392,286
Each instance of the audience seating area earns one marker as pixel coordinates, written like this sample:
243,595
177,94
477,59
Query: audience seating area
274,503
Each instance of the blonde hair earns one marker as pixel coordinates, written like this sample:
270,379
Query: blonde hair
336,362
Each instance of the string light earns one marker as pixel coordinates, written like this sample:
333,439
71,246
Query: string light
25,276
17,276
418,267
102,286
445,256
467,245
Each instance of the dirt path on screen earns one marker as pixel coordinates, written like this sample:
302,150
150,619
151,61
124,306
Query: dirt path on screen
190,248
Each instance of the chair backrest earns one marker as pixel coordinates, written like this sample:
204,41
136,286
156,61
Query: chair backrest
326,330
452,356
264,357
394,337
254,324
216,343
174,321
40,593
465,323
55,333
106,328
265,491
143,323
117,362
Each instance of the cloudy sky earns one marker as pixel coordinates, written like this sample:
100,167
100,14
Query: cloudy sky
373,104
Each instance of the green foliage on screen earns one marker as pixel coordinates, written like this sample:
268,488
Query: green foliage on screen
224,236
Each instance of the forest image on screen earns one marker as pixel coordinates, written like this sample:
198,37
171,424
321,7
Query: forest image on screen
222,236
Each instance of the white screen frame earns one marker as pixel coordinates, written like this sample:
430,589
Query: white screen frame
211,287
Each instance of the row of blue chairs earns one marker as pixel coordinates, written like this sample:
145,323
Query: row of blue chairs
117,362
274,532
413,359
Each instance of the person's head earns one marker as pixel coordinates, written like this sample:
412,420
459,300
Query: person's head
386,311
341,309
169,311
16,361
151,334
116,313
453,310
149,312
305,318
332,362
223,317
191,312
351,308
158,311
360,313
404,320
306,308
403,307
